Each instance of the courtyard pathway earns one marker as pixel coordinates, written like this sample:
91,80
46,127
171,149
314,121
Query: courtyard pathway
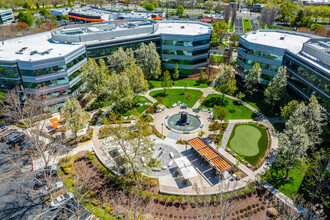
227,133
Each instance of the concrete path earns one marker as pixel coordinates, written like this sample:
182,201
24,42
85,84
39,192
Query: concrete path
226,134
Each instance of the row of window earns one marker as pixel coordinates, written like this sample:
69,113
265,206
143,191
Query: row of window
56,94
185,43
264,66
185,53
6,84
185,62
309,76
263,76
261,53
49,83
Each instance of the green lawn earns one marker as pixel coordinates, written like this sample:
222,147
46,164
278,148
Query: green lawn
247,25
140,109
177,95
181,82
231,27
217,58
257,101
249,140
233,109
289,187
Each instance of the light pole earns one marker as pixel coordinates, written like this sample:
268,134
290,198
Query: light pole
162,131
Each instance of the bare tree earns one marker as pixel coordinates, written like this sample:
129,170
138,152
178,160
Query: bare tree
216,206
226,12
234,13
269,13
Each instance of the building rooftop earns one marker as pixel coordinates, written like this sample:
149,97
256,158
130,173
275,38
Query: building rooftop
34,47
285,40
183,28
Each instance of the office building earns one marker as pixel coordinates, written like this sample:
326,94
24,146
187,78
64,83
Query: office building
51,61
307,58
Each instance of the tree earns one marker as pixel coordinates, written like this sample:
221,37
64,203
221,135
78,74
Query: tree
180,10
288,110
96,76
189,96
273,92
65,18
234,13
120,90
292,147
219,7
136,78
176,73
148,59
253,78
209,5
235,39
185,87
220,29
26,17
149,7
226,13
287,11
75,117
201,98
135,143
166,81
2,98
226,82
120,59
269,13
221,113
240,96
201,77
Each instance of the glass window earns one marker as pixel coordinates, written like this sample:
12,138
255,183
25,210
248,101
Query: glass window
45,71
75,61
261,53
56,94
74,75
47,83
6,84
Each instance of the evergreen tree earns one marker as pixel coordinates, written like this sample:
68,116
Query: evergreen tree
226,82
166,81
201,77
176,73
253,78
121,59
148,59
273,92
26,17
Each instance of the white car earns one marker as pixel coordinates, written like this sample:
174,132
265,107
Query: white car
62,199
52,188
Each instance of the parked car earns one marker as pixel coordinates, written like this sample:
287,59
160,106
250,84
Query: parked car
49,170
62,199
52,188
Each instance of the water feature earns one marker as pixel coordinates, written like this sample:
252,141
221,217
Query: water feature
184,122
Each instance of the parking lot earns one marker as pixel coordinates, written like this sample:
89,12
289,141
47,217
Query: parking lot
239,26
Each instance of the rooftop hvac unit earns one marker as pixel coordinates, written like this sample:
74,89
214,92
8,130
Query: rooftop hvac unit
282,38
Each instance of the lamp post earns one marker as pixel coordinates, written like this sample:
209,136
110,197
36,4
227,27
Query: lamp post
162,131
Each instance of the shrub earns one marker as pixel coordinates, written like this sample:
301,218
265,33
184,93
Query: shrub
150,195
260,199
188,198
257,204
95,202
249,207
158,196
142,194
214,126
241,211
108,209
247,191
232,110
165,198
180,198
262,207
246,214
91,157
245,209
172,198
255,211
253,205
236,212
258,209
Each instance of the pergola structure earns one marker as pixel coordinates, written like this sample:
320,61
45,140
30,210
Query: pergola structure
209,154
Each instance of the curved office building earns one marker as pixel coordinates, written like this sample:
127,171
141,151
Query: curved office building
307,58
51,61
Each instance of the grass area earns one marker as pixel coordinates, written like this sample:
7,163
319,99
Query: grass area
177,95
99,212
289,187
181,82
140,109
233,109
217,58
249,140
257,101
247,25
231,27
279,127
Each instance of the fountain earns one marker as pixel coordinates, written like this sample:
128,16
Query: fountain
183,122
184,118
